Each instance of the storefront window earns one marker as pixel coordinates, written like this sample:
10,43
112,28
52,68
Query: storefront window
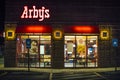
69,53
92,45
80,51
40,51
45,51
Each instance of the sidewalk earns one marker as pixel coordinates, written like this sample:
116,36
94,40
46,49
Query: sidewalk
61,70
63,74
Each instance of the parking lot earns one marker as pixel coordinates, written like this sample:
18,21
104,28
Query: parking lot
25,75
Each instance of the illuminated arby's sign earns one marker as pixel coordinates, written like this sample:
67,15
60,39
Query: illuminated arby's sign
41,14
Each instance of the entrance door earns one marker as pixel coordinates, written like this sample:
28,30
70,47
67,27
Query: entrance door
80,51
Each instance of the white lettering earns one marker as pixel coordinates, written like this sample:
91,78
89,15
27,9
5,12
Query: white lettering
41,14
35,13
47,13
30,13
25,12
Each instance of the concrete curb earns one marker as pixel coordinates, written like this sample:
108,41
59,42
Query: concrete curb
61,70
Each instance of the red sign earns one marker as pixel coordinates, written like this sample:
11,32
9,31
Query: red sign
41,14
81,29
33,29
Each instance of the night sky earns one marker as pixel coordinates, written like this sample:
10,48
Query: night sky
2,12
71,10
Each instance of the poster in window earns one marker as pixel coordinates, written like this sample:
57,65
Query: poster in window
70,47
42,49
34,47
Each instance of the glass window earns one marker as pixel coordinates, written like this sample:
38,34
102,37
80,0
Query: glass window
80,51
45,37
92,45
21,45
40,51
69,53
45,51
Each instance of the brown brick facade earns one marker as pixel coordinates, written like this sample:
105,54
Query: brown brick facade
57,52
10,54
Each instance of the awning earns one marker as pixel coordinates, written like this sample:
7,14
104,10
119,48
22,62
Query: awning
33,29
81,29
48,29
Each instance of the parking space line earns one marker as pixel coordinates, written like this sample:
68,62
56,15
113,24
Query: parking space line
4,73
50,78
101,76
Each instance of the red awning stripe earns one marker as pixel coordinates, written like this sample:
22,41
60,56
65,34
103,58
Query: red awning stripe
48,29
34,29
81,29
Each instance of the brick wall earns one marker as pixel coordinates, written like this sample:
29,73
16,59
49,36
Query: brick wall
107,53
57,52
10,54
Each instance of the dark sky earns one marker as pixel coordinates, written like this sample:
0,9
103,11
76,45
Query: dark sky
2,12
111,3
79,10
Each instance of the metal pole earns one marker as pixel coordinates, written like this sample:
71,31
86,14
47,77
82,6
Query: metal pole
29,57
28,61
75,60
116,59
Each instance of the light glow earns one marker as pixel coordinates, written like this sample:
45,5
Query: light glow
36,28
83,29
102,35
12,35
55,34
33,29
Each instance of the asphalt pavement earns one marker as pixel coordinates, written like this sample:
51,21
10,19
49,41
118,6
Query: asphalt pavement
77,76
24,75
110,75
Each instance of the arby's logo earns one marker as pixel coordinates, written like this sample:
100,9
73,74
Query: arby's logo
39,14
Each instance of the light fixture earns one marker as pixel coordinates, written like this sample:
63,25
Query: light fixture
57,34
104,34
10,34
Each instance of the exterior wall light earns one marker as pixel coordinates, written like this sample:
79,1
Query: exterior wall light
104,35
10,35
57,34
10,32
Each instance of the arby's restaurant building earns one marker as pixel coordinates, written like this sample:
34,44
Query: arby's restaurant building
43,34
